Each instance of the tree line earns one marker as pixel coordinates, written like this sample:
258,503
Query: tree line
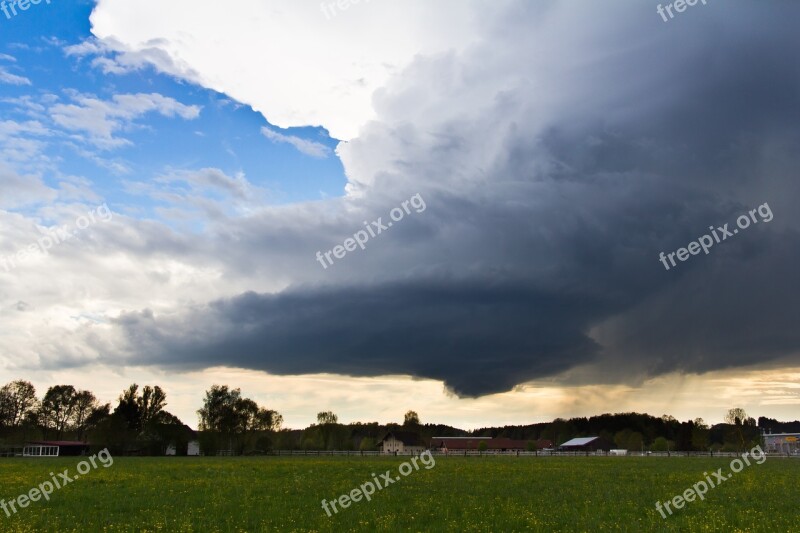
636,431
139,424
230,423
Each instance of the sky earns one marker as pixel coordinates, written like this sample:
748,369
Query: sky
472,209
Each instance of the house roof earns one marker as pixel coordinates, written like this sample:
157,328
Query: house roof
58,443
408,438
580,441
186,429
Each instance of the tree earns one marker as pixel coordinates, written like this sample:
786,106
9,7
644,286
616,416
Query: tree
367,444
327,417
111,431
17,401
58,407
251,420
5,407
482,446
218,411
328,425
628,440
148,428
85,405
141,411
98,414
269,420
128,407
660,445
235,418
700,435
312,440
411,419
735,416
151,404
246,412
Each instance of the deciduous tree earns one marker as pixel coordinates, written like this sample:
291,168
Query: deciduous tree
17,401
58,408
411,419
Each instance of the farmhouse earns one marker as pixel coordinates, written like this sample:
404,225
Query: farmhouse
401,442
585,444
55,448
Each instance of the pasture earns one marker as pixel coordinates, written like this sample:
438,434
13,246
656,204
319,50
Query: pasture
500,494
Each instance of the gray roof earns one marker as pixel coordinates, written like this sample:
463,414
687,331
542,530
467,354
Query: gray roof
580,441
408,438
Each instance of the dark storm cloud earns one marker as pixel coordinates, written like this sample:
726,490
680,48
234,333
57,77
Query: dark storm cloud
478,339
554,176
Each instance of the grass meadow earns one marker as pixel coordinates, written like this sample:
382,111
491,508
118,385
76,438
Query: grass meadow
499,494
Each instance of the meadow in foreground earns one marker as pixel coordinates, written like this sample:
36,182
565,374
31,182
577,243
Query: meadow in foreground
459,494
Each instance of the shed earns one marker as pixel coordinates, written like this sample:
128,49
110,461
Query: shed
55,448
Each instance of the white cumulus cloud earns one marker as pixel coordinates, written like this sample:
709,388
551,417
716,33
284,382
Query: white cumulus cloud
291,61
102,118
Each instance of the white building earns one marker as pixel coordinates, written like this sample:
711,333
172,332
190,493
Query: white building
55,448
402,442
785,443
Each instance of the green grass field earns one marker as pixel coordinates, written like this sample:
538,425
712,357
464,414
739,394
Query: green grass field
500,494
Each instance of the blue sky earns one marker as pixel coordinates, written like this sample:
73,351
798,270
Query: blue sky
226,135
